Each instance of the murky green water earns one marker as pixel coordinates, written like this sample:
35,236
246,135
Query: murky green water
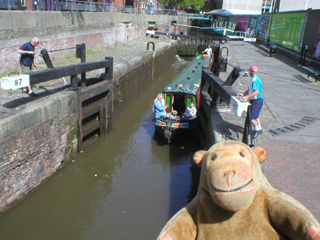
125,186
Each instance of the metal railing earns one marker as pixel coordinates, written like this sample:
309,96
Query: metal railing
198,40
88,6
12,5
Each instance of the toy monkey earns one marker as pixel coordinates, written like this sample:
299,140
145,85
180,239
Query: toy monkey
236,201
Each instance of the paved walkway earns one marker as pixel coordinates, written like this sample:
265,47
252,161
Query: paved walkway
291,101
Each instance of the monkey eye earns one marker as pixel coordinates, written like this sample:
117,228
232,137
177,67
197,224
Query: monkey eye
241,154
214,157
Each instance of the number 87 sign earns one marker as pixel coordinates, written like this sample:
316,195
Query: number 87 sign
15,82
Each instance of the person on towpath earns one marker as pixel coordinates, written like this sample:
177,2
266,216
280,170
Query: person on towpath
254,96
27,61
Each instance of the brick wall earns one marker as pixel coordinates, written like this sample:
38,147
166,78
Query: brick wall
59,30
31,155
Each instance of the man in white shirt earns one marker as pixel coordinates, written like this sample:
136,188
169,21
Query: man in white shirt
208,51
190,112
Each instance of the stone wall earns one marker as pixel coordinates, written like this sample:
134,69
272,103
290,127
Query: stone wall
130,86
59,30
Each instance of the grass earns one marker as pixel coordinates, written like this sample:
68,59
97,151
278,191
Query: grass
5,74
69,57
90,50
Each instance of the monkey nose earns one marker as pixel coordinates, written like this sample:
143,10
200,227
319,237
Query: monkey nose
230,177
230,173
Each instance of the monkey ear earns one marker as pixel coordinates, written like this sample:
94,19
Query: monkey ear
260,153
199,156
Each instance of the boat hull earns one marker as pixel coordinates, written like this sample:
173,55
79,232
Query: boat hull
170,128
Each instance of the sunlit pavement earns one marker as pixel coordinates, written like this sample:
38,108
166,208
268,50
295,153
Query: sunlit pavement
293,154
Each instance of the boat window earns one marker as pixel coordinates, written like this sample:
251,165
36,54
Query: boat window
179,103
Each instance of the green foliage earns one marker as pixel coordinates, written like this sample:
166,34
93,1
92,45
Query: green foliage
69,57
90,51
5,74
173,4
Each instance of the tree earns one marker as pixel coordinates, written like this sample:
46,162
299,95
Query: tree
173,4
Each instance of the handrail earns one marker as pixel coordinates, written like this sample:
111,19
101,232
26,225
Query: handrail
154,45
90,6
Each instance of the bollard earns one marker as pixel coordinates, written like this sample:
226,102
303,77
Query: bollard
272,50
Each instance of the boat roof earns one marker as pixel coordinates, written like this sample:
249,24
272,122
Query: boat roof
188,81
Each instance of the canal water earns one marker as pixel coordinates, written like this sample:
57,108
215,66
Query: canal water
125,186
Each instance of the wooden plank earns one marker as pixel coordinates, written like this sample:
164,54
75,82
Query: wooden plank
91,109
103,116
90,127
88,142
59,72
205,102
202,121
96,89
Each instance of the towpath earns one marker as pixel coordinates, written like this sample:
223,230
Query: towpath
290,121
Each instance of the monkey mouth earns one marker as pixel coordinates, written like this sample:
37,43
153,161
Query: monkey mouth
232,190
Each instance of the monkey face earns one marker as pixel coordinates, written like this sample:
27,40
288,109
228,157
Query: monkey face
232,174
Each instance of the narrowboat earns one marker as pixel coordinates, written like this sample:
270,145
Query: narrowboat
178,96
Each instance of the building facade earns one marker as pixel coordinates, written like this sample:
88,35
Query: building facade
246,5
293,5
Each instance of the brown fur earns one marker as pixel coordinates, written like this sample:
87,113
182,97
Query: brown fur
235,201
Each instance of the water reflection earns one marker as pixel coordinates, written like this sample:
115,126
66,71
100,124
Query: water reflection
125,186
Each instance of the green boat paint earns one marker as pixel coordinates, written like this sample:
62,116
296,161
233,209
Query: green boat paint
178,95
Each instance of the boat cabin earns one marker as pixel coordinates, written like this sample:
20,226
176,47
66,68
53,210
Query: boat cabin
179,102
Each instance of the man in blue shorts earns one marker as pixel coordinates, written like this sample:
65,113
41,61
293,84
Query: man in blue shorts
254,95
